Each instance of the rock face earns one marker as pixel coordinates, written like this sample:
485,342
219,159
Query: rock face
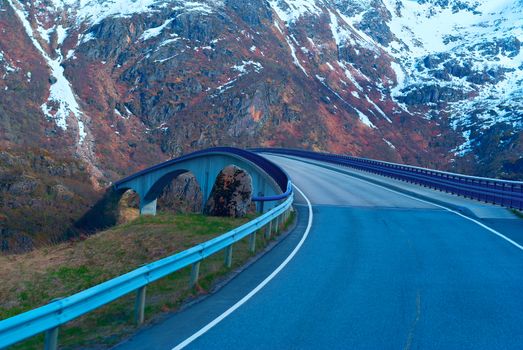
14,241
120,85
231,194
124,84
183,195
39,197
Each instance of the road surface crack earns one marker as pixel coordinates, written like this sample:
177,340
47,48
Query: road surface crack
410,337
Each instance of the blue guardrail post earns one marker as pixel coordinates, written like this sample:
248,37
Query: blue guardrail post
140,305
51,339
195,271
228,256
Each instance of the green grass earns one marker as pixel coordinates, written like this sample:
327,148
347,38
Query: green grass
518,213
69,268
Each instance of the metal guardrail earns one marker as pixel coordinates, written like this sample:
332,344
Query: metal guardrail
50,317
502,192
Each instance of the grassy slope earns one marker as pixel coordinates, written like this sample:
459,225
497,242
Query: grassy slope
35,278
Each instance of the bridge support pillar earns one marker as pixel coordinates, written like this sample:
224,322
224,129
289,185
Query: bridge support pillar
206,174
147,207
206,191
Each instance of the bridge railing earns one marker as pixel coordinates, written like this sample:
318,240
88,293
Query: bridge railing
502,192
50,317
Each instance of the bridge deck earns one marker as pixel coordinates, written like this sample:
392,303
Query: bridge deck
472,207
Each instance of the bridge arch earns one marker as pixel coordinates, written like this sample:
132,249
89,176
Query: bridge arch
206,167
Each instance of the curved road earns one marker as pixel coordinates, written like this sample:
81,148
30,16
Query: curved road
378,270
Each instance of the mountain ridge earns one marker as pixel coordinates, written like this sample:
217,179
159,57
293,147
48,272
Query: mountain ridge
368,62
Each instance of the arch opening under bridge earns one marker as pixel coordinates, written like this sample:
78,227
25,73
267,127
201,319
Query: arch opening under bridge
206,166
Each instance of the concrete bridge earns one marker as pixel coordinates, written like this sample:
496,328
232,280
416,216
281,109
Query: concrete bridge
206,166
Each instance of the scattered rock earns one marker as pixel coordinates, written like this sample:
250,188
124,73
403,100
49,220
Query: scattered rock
231,194
183,195
14,241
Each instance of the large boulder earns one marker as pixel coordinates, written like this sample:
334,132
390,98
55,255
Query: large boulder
182,195
231,194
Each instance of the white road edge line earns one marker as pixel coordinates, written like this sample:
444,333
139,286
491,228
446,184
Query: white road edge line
457,213
445,208
220,318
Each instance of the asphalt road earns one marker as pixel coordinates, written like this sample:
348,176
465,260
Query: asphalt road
473,208
378,270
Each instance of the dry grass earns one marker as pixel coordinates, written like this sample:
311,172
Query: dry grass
33,279
109,253
127,214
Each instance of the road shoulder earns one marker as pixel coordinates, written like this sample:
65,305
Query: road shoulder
173,328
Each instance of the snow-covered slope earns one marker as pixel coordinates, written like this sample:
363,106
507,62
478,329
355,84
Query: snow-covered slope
95,11
62,17
471,49
458,60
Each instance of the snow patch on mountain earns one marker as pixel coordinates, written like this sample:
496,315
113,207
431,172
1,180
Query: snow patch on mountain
154,32
290,10
294,57
7,65
364,119
378,109
62,101
61,34
95,11
425,28
242,68
340,34
389,143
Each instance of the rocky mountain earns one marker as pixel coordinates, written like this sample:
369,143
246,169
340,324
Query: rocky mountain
121,84
464,63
